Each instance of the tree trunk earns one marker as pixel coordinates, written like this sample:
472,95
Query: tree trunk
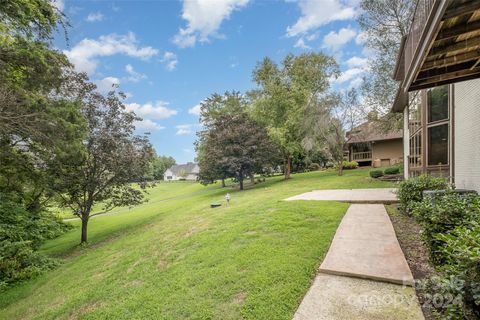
240,180
252,178
288,167
84,230
340,168
223,183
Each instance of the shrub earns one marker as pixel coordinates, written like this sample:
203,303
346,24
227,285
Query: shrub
376,173
411,190
459,280
441,215
392,170
314,167
350,165
21,234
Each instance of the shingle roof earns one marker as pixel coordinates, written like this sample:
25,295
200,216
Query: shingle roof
190,168
370,131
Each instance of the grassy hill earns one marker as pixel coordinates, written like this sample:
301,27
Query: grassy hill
175,257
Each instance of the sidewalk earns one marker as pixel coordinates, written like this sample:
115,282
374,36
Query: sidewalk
364,274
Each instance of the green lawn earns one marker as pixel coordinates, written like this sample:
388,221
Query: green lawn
175,257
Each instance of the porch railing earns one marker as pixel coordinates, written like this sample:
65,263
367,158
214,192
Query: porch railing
367,155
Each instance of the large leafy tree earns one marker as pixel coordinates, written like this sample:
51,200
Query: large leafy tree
38,126
384,23
232,144
284,95
113,156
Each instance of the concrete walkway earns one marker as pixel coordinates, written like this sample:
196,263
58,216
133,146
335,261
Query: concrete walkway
365,246
364,274
339,298
384,195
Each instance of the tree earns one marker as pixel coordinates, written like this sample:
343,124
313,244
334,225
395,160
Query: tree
330,125
158,166
384,23
113,157
37,127
284,95
232,143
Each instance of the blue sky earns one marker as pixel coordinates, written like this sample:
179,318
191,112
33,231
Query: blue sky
170,55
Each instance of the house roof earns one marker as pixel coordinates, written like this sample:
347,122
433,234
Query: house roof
190,168
371,131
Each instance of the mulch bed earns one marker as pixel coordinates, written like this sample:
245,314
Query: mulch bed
409,234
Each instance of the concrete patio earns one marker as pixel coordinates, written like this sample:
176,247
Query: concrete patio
383,195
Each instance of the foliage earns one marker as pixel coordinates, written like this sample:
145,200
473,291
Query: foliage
112,156
158,166
411,190
329,123
38,127
286,94
350,165
392,170
441,214
376,173
21,234
314,166
232,144
383,23
460,274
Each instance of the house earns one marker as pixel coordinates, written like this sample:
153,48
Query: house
188,171
369,145
438,68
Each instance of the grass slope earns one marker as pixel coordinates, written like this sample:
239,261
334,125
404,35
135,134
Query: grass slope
175,258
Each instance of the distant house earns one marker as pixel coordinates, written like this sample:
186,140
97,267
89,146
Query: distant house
369,145
188,171
438,69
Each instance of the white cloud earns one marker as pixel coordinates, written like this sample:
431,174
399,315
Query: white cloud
195,110
106,84
94,17
335,40
357,62
159,110
59,4
184,129
170,60
348,75
355,83
204,18
85,53
316,13
301,44
147,124
133,75
361,38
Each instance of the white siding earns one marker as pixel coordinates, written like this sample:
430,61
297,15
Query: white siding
406,143
467,134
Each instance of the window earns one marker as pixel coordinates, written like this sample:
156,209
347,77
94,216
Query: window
438,145
437,104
